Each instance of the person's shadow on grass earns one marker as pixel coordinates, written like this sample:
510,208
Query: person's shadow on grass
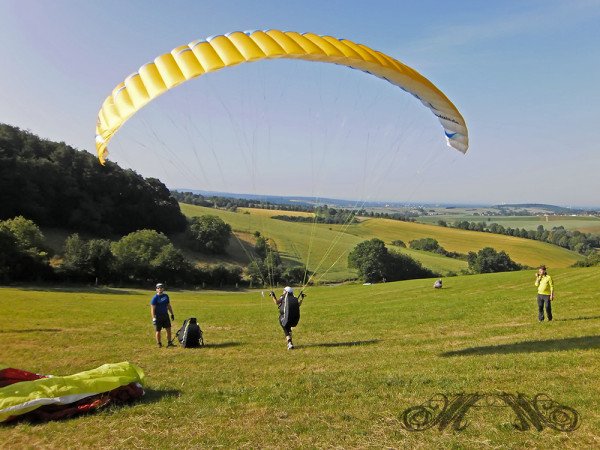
339,344
222,345
549,345
577,318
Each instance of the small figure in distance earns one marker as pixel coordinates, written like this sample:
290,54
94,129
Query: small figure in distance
438,284
289,312
545,286
160,306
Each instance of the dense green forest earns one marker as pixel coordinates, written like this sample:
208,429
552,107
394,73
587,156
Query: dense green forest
55,185
119,222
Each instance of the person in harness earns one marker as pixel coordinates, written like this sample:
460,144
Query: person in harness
289,312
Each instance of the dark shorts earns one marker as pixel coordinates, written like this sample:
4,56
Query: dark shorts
162,321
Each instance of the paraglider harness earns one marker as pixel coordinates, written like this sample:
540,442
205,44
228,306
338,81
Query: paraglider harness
190,334
289,310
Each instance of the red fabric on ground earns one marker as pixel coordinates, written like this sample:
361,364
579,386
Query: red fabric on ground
10,376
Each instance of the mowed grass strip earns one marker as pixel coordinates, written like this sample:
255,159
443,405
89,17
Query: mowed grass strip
364,355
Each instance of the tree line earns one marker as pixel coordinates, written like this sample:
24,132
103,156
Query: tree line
323,213
486,260
583,243
138,258
374,263
232,203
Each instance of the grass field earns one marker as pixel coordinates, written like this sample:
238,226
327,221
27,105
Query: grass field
583,224
364,356
326,247
524,251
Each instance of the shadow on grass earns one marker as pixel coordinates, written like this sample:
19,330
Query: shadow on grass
33,330
339,344
80,289
150,396
577,318
223,345
153,396
550,345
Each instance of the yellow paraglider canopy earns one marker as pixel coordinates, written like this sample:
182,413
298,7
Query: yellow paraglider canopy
199,57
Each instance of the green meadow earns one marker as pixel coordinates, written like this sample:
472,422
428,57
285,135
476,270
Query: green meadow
325,248
582,223
364,356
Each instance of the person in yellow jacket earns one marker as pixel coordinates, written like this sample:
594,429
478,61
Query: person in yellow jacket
545,286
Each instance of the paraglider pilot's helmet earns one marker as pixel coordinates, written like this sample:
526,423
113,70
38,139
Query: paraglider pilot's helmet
160,286
288,289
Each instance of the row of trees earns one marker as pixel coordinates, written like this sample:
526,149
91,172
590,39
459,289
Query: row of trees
137,258
141,257
231,203
323,213
147,255
374,262
331,216
583,243
432,245
486,260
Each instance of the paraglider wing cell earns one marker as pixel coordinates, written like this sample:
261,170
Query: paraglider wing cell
218,52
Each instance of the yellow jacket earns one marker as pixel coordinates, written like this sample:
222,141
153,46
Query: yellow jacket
545,285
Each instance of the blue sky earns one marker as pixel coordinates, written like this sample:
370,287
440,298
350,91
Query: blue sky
524,75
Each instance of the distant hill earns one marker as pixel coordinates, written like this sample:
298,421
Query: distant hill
284,200
541,207
345,203
312,201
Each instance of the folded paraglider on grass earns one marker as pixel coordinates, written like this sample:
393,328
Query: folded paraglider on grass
26,395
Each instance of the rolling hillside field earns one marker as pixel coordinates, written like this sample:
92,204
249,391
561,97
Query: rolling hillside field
372,366
326,247
322,247
581,223
524,251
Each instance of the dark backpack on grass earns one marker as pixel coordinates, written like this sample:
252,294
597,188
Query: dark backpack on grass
190,334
